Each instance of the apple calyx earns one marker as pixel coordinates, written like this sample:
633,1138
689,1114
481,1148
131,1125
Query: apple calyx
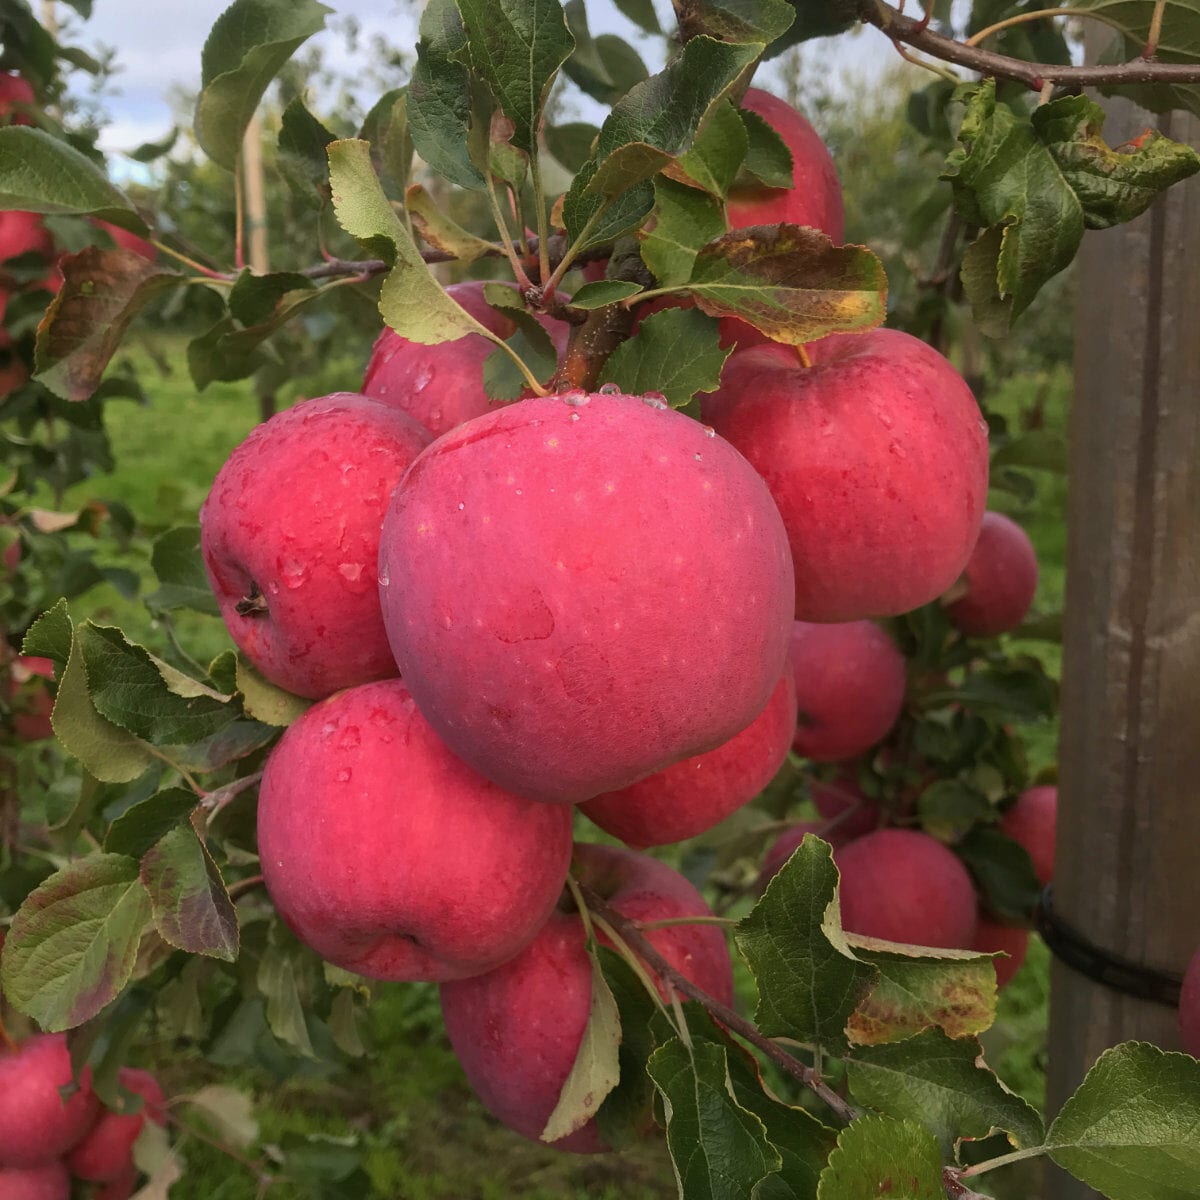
251,604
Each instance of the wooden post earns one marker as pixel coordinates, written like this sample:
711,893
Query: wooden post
254,191
1129,817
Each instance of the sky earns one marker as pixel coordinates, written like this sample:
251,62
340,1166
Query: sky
158,45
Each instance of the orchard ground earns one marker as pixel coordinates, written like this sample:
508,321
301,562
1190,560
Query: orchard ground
425,1136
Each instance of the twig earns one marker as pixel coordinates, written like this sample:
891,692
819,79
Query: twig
242,886
1040,14
1150,49
1035,75
654,960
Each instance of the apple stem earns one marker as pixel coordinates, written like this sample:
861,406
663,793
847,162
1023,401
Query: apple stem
667,922
646,951
802,355
6,1040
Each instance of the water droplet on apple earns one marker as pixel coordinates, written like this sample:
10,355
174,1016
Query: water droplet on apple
609,389
655,400
574,416
897,449
422,380
709,431
294,573
343,776
884,420
461,506
983,427
351,572
384,576
576,397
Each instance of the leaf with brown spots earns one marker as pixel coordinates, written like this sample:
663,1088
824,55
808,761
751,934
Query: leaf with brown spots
918,988
102,292
875,1156
790,282
74,941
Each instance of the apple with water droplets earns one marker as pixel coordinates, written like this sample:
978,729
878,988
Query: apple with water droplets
585,588
290,539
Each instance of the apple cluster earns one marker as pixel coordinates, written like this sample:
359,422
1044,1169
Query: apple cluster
587,600
46,1140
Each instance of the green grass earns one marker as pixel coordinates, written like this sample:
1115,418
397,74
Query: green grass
406,1109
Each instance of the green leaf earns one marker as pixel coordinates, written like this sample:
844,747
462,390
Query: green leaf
302,156
623,1115
247,46
230,1111
736,20
253,298
917,989
439,231
74,941
719,1150
182,583
768,158
879,1157
641,13
593,221
803,1143
595,1071
1020,690
809,979
285,1013
344,1019
790,282
446,128
571,143
144,823
502,379
717,154
658,120
192,910
103,290
605,67
1038,450
1003,872
265,701
943,1084
949,808
685,220
1034,183
106,750
386,128
411,300
43,174
156,704
603,293
1132,1130
675,353
516,47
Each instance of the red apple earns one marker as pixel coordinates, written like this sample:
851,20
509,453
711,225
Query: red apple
36,1125
106,1152
1000,579
391,858
1032,821
691,796
126,240
850,681
16,99
591,588
31,700
24,233
843,795
442,386
815,197
877,458
50,1182
290,537
517,1030
1189,1008
903,886
991,936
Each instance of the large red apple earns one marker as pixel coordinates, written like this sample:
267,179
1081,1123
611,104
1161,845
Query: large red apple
991,936
290,537
581,590
49,1182
517,1030
442,386
691,796
1000,579
390,857
850,681
1189,1008
36,1125
877,457
815,197
31,700
106,1152
903,886
1032,821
